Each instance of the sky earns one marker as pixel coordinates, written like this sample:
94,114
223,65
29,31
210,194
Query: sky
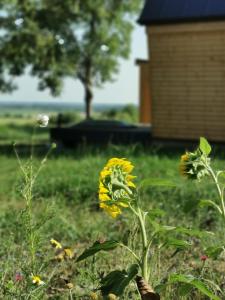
124,90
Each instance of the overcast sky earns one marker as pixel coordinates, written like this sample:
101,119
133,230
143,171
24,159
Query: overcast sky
124,90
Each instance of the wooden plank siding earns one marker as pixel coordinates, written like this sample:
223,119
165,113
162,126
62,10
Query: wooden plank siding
187,79
145,116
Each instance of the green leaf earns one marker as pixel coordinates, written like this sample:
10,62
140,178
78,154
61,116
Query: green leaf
204,146
179,244
96,247
155,213
193,232
160,288
221,174
210,203
184,289
116,281
160,228
155,182
214,251
195,282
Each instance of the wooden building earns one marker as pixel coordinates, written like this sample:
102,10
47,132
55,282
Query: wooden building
182,85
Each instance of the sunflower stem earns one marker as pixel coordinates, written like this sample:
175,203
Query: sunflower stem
145,248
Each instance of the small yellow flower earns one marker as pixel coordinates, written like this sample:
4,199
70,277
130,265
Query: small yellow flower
56,244
68,252
112,297
64,253
37,280
69,285
93,296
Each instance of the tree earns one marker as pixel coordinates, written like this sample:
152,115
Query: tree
55,39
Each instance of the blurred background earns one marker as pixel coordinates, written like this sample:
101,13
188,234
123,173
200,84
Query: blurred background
80,68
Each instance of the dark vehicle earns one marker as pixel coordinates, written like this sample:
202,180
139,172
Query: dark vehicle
101,132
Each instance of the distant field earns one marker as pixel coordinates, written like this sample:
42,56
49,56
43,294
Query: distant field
16,122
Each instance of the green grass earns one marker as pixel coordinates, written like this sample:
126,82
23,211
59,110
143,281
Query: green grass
68,187
69,183
19,130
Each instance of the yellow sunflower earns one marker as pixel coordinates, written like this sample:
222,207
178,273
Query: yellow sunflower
116,187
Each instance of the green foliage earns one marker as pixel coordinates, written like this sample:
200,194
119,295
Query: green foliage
155,182
204,146
81,39
214,251
96,247
194,282
210,203
116,281
65,118
128,114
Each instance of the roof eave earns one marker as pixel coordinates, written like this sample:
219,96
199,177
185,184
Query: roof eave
180,20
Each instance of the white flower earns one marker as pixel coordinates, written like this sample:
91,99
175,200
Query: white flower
42,120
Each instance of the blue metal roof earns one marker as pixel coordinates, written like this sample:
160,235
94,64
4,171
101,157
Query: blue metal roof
175,11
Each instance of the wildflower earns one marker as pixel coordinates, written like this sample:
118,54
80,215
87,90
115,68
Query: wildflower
18,277
112,297
204,258
60,255
116,187
64,253
68,252
193,165
69,285
55,244
93,296
42,120
37,280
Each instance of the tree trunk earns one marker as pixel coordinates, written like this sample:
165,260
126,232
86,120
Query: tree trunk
88,100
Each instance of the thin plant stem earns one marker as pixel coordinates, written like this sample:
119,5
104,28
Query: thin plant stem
220,192
19,160
71,296
144,260
132,252
32,142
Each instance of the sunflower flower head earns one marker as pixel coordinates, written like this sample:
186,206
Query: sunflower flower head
116,186
37,280
193,165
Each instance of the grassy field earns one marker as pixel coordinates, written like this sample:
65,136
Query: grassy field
65,206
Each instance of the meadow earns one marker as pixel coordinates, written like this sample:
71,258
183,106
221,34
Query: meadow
65,207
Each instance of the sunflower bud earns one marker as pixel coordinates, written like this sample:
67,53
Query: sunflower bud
193,165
